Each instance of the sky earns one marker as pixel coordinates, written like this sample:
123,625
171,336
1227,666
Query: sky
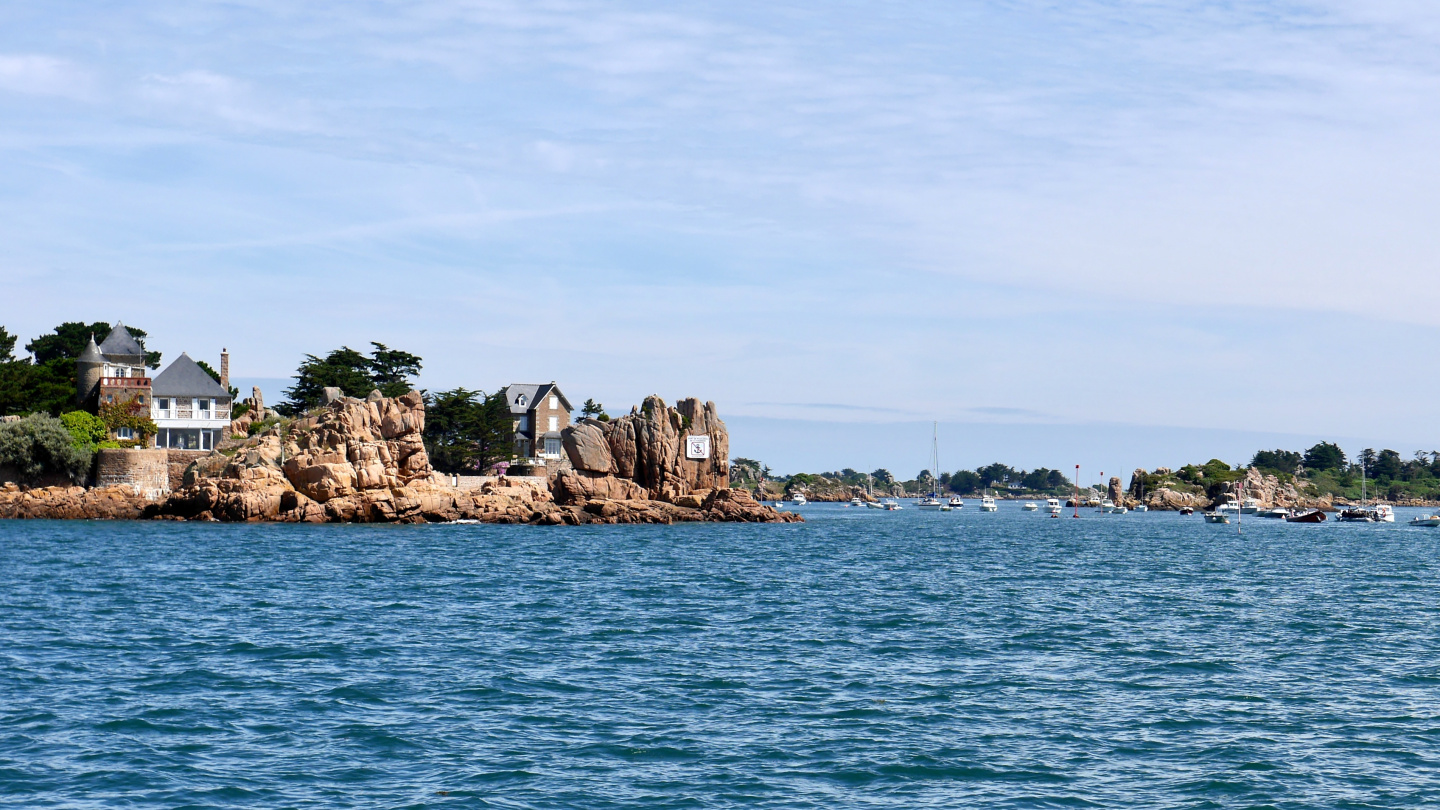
1107,233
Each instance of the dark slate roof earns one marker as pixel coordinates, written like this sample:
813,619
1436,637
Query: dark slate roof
91,353
512,396
533,392
121,344
184,378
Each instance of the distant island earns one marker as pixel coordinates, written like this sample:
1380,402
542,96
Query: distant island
1318,477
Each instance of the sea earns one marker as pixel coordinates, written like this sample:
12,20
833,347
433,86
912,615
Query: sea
861,659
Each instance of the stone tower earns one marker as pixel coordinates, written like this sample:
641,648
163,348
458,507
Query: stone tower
88,367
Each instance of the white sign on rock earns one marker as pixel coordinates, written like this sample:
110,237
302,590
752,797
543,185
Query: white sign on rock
697,447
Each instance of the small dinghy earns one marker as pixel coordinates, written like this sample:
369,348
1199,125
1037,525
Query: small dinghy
1426,520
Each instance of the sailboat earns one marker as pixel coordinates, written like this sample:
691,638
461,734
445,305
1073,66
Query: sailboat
1140,506
931,503
1379,513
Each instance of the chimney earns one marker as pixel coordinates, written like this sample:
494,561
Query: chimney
225,369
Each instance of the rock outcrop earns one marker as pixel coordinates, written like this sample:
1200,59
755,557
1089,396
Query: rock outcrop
72,503
642,457
365,461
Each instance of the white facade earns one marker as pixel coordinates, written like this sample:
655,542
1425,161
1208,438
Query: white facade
190,423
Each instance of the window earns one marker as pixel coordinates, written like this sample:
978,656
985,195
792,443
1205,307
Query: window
203,405
124,434
205,439
521,400
554,423
552,447
140,399
524,423
554,402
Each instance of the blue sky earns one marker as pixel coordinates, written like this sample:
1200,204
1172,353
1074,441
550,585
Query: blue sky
1212,217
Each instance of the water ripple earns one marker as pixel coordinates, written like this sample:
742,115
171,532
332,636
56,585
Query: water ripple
863,659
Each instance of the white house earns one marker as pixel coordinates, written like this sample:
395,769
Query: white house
190,408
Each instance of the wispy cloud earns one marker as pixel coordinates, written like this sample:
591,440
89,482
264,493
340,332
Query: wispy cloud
40,75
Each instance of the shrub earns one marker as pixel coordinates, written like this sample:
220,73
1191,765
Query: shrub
85,428
41,445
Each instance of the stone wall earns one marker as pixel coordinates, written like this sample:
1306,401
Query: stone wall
180,460
146,472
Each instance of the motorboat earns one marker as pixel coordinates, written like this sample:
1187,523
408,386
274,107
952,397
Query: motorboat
1140,507
956,503
875,504
891,505
1228,507
1308,516
1276,513
987,504
1250,506
1379,513
1030,506
1120,510
1187,510
1052,505
799,499
1109,507
1217,517
1426,520
856,502
947,508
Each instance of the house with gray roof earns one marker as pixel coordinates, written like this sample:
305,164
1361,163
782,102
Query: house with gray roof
538,411
191,409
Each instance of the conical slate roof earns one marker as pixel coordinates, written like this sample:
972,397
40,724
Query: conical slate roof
91,353
184,378
121,345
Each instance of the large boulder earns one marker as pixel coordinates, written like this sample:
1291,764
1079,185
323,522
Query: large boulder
588,447
579,486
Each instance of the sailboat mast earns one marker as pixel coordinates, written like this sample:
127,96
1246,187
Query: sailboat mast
935,460
1077,491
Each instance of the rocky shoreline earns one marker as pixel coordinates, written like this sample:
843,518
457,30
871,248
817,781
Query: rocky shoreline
364,461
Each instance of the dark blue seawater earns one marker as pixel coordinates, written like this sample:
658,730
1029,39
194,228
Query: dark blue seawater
863,659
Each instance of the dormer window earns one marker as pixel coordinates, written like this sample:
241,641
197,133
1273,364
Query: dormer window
520,400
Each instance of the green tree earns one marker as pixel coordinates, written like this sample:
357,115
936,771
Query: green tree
882,476
356,375
467,431
964,482
7,346
391,370
591,408
1324,456
1387,464
1280,461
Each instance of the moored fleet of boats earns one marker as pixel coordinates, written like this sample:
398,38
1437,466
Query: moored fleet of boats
1234,506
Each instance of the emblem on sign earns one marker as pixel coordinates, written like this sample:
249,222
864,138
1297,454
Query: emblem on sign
697,447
